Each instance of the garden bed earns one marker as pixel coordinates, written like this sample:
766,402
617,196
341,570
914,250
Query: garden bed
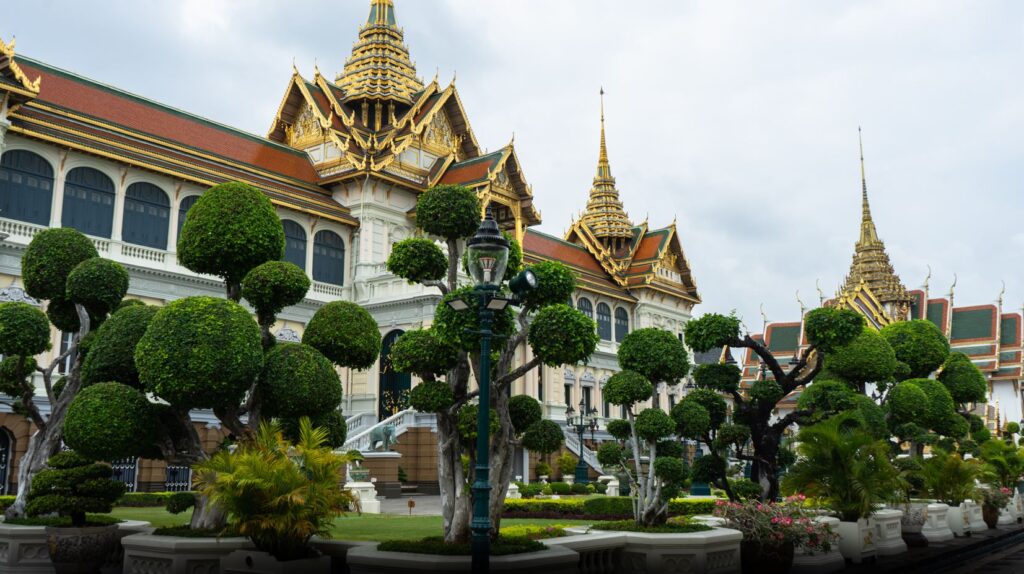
550,560
598,508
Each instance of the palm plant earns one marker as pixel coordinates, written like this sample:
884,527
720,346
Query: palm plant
949,478
278,494
1003,464
844,465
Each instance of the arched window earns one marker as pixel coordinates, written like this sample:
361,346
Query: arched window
585,307
329,258
621,324
295,243
146,216
88,202
26,187
604,322
183,207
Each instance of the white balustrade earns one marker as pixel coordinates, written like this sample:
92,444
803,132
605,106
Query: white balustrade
572,442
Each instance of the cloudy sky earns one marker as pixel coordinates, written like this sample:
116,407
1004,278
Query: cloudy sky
738,118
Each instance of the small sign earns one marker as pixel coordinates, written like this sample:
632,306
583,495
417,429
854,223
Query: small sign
412,504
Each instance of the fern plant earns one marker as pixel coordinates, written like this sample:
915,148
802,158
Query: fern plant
844,465
276,493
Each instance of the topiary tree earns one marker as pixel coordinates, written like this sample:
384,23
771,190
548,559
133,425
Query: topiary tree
648,357
209,353
964,381
71,486
828,330
919,345
445,354
544,437
61,267
866,359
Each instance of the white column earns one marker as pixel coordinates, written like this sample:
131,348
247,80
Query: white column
4,124
57,199
119,206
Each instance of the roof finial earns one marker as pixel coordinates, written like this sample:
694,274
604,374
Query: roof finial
863,177
927,280
603,167
952,288
821,294
803,308
999,299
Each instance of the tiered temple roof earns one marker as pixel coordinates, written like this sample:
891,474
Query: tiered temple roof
380,67
605,216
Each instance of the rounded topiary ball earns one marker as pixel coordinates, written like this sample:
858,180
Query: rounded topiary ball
654,424
200,352
24,330
627,388
712,402
560,335
866,359
711,331
50,258
905,402
273,286
345,333
828,328
297,380
417,259
965,381
108,421
692,419
449,211
721,377
656,354
424,353
431,397
919,344
231,229
620,429
111,355
523,410
543,437
555,285
98,284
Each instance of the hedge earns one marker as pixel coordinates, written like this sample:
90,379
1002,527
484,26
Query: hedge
6,501
140,499
601,507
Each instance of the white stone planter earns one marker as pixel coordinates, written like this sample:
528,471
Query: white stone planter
369,560
936,527
820,562
568,478
709,520
366,494
23,550
1008,515
148,554
713,551
598,551
513,491
856,540
957,521
255,562
612,482
888,531
974,517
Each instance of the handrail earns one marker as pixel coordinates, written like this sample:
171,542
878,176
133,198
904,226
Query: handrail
572,442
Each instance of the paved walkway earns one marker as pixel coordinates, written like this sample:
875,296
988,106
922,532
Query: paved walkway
425,505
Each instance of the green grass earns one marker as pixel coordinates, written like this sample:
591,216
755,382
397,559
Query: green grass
368,527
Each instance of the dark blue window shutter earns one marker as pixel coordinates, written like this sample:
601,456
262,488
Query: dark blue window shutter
88,202
183,207
604,322
621,324
295,243
26,187
146,216
585,306
329,258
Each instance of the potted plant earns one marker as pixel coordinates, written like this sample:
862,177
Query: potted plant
543,471
772,532
994,499
567,466
70,487
914,514
847,468
951,480
278,495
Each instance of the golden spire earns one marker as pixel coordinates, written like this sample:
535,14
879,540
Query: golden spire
605,215
379,67
871,265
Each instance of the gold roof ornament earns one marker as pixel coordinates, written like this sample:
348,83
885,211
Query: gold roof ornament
379,67
604,214
871,265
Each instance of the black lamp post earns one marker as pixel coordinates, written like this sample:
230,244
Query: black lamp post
487,258
580,423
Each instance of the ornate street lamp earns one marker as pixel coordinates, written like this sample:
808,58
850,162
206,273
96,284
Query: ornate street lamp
487,258
587,419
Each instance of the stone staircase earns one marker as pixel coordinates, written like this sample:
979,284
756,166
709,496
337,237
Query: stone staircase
361,426
572,442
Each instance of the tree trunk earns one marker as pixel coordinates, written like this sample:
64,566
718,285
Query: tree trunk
43,444
764,469
455,500
502,463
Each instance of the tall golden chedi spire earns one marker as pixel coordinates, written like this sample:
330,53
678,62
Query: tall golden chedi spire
379,69
871,266
605,216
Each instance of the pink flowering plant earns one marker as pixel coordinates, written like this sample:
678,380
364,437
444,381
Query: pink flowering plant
777,523
994,497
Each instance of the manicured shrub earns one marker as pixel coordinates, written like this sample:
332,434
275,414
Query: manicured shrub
298,381
829,328
627,388
555,285
24,330
179,502
919,344
656,354
200,352
107,421
448,211
345,333
543,437
111,356
50,258
62,313
274,285
721,377
766,391
424,353
560,488
619,429
561,335
71,486
711,331
963,379
524,410
231,229
418,260
578,488
866,359
98,285
653,424
431,397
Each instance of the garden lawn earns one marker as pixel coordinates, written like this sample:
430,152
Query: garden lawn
368,527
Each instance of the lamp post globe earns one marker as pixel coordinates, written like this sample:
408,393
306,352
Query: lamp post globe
487,254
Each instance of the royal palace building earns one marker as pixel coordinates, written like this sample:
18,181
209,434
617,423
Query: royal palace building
343,161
